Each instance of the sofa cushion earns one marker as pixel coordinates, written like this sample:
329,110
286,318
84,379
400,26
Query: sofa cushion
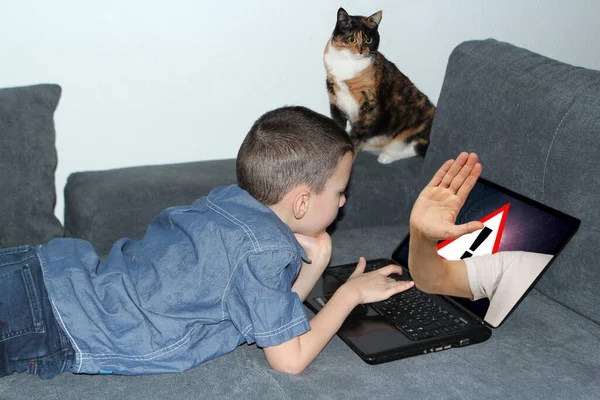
543,351
534,123
27,164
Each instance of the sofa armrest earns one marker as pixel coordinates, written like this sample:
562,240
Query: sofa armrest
104,206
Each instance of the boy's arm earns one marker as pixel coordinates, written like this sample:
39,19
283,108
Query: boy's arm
319,251
433,218
296,354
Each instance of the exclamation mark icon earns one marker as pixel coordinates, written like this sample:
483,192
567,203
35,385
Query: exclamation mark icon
485,232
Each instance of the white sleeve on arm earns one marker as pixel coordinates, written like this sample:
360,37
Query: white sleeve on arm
503,277
485,272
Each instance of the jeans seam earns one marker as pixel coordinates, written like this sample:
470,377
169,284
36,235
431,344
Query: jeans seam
15,250
19,333
24,274
34,299
53,354
20,260
46,357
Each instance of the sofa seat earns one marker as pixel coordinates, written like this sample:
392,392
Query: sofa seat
543,351
369,242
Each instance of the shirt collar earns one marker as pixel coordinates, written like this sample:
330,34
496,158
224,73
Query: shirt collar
238,196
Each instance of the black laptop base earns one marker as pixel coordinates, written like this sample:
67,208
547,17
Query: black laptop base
378,338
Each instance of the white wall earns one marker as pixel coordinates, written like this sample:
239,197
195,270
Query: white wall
151,82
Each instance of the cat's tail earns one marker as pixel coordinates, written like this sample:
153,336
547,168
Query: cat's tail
419,138
421,147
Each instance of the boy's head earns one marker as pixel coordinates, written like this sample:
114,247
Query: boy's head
289,147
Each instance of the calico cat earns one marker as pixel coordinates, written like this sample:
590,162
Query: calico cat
385,111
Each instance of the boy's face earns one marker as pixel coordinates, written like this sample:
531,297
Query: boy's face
324,206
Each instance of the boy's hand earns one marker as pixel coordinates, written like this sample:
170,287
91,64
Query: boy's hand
434,213
375,285
318,249
295,354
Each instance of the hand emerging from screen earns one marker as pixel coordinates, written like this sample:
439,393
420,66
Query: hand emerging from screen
433,218
434,213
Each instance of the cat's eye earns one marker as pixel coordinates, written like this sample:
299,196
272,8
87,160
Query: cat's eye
352,39
369,41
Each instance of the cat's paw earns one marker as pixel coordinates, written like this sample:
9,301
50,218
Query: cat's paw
396,151
385,158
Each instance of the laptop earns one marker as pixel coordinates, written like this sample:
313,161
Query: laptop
413,323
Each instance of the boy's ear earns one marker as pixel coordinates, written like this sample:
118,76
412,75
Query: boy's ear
300,203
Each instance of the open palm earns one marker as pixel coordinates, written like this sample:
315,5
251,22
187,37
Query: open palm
435,211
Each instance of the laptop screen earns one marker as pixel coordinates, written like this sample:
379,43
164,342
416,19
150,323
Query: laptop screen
511,223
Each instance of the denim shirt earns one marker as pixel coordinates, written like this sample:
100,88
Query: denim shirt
206,278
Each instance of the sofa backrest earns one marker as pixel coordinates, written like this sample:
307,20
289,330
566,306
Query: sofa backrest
535,123
104,206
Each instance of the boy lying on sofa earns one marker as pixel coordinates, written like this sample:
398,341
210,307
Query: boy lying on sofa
233,267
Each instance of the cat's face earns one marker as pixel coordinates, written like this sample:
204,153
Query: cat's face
356,34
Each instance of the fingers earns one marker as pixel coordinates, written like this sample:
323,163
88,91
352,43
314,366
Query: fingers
396,287
464,173
391,286
454,174
389,269
401,287
439,175
360,267
455,168
469,227
469,182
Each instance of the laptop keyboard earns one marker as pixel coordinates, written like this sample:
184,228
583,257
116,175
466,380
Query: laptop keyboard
413,312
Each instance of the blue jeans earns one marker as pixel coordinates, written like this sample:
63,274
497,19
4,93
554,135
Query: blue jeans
30,338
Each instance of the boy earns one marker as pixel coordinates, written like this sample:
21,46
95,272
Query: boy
232,267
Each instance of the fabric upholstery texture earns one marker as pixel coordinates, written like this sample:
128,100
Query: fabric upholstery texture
104,206
534,123
532,356
27,164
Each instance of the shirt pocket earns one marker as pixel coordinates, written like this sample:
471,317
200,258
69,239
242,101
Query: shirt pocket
20,307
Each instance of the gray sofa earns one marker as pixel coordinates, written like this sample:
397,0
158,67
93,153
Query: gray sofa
535,123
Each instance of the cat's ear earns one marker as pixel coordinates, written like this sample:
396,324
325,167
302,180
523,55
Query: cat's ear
375,19
342,16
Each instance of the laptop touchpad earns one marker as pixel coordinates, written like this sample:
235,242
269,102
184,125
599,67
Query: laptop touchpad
358,310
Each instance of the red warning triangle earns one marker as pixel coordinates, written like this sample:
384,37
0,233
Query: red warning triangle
483,241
